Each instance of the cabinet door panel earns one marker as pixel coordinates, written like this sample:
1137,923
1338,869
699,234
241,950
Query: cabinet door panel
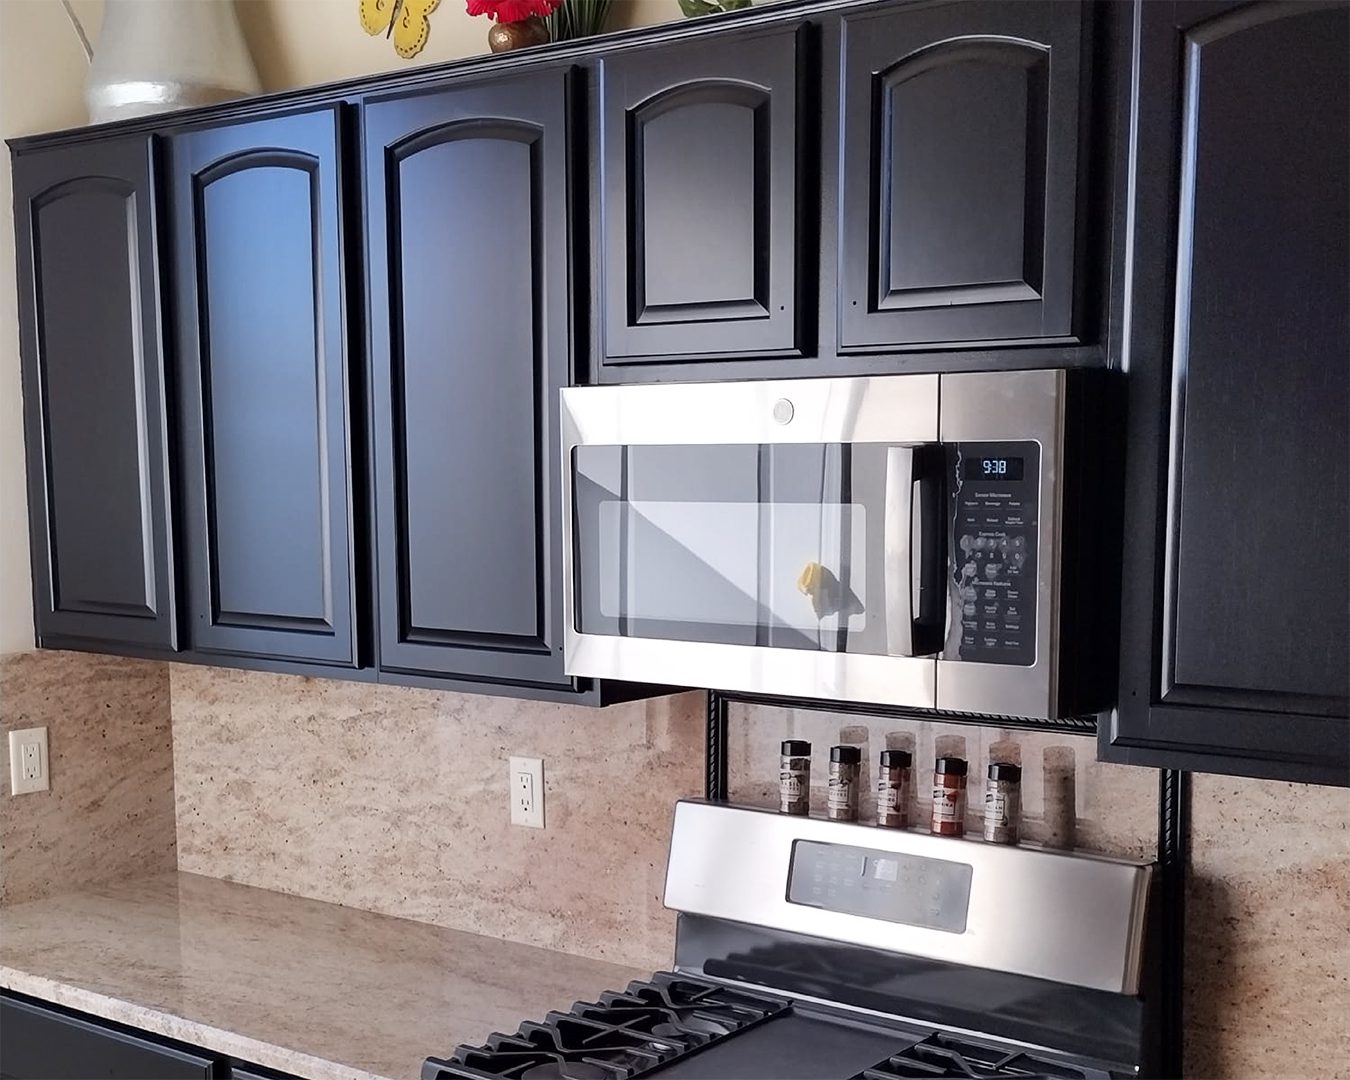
94,394
1241,654
699,155
43,1044
267,466
959,174
469,346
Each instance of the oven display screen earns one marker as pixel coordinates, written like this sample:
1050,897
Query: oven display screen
993,468
899,888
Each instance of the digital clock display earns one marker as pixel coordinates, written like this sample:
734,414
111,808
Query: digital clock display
993,468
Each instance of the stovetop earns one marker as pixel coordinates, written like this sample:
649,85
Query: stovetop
685,1028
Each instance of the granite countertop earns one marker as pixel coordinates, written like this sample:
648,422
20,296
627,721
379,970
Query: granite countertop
326,992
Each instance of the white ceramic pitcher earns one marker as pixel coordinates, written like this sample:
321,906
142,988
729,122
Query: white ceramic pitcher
158,55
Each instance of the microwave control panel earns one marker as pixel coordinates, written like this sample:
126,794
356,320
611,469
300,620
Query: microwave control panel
993,493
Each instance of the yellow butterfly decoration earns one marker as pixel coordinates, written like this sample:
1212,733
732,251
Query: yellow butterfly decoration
406,20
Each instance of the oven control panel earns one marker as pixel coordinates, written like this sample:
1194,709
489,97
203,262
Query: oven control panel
890,885
993,494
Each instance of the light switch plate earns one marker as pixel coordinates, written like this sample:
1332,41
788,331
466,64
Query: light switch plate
527,792
28,761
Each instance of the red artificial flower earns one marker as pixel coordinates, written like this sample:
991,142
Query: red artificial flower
509,11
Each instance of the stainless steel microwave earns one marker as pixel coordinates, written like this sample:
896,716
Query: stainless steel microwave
896,540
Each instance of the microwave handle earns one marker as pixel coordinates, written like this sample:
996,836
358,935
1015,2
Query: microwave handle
912,548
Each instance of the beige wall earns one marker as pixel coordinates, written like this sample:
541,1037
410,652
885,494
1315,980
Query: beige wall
304,42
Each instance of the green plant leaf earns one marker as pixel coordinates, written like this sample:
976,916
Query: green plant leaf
693,8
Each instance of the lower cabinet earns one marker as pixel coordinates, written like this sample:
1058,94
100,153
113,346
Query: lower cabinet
44,1042
469,288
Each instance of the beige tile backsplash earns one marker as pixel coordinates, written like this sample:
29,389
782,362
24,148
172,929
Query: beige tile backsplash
396,800
109,811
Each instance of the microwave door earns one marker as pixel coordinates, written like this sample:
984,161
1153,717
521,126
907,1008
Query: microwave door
736,536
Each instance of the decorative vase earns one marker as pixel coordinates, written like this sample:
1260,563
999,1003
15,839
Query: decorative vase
503,37
158,55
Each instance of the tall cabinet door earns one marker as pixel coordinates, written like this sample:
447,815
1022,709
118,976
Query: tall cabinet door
1236,628
94,409
469,282
958,173
267,467
700,159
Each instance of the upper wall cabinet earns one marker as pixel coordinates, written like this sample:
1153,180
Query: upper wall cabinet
700,245
1236,629
469,345
93,380
959,174
262,371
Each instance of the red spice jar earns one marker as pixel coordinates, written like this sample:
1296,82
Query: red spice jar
949,797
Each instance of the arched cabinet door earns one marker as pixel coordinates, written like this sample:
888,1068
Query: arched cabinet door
700,246
262,366
469,284
959,174
94,409
1235,632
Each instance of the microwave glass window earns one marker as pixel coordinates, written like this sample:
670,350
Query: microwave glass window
777,545
732,563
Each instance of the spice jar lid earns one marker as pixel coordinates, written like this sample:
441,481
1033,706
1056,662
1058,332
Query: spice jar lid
1005,770
896,759
954,765
796,748
845,755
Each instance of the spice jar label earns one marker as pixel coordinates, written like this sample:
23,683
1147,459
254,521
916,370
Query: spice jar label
840,794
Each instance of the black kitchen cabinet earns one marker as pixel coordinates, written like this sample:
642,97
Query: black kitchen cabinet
959,174
94,397
469,285
701,248
39,1043
266,462
1236,623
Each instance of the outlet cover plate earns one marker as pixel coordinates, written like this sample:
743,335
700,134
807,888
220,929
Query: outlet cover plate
28,770
527,792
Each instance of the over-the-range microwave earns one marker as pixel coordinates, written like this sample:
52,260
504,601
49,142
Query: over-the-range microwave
910,540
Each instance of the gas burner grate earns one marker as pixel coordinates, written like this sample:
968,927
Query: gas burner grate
941,1055
621,1036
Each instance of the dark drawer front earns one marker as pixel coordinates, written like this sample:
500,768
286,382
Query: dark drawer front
39,1044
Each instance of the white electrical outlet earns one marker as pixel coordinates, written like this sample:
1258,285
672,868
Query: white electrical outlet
527,792
28,761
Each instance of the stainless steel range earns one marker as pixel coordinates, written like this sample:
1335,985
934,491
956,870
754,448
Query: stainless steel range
816,950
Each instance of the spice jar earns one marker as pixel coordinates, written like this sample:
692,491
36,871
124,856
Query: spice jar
794,778
893,780
845,765
949,797
1003,803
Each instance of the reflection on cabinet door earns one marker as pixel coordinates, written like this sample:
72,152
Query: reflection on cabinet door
699,159
94,409
959,173
266,464
469,291
1236,629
